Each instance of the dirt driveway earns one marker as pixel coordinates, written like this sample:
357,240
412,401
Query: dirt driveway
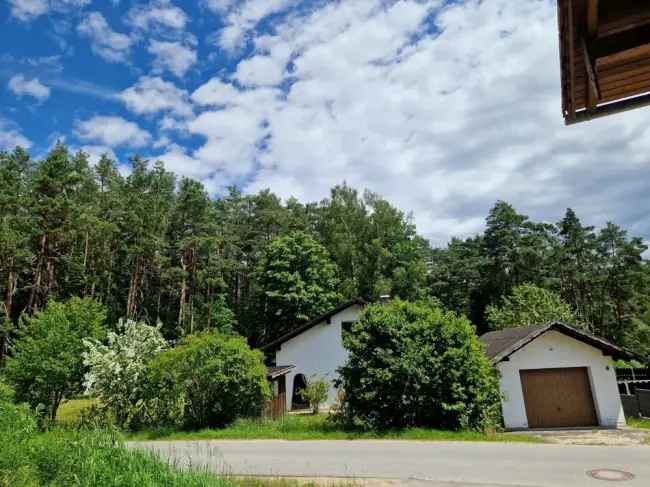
620,437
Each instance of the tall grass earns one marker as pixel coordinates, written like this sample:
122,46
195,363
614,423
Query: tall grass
318,427
70,410
90,459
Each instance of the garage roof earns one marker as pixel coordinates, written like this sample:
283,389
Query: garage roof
605,57
503,343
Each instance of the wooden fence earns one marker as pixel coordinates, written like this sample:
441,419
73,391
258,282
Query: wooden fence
276,407
637,404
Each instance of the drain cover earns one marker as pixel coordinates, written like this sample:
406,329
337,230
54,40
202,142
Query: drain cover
610,475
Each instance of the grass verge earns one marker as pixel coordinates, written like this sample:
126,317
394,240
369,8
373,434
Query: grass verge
308,427
95,459
639,423
70,410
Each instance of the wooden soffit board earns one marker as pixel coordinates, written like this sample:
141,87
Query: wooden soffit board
604,56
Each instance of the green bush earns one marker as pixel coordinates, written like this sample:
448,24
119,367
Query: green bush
415,365
47,360
208,380
315,393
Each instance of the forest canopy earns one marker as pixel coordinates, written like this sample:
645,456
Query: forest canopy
154,247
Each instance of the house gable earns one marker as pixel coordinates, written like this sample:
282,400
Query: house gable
326,318
317,352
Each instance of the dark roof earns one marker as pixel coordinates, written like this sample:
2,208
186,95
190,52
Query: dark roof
278,371
503,343
314,322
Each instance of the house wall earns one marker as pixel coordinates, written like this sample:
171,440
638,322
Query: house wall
556,350
317,352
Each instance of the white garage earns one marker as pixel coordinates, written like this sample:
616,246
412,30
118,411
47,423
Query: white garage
556,376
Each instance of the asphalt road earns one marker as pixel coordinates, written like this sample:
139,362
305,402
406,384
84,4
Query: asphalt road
413,463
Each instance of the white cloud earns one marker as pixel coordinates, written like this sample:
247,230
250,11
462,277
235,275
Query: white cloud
10,136
105,42
215,92
172,56
111,131
20,86
260,71
441,108
153,95
170,124
27,10
242,17
159,16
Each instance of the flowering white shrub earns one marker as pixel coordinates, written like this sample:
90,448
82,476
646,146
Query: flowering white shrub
117,370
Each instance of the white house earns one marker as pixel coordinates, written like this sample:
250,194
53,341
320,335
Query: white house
551,376
555,376
315,350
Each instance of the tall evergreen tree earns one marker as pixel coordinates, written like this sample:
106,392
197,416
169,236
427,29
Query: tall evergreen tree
193,242
15,231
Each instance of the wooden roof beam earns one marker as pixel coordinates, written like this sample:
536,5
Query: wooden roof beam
622,47
593,89
592,18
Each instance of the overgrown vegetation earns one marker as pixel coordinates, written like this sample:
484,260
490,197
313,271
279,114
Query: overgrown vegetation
416,365
83,458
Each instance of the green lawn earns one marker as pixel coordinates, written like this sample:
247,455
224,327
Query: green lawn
638,423
69,411
293,427
308,427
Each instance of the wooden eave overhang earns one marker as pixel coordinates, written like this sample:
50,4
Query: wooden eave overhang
276,371
604,57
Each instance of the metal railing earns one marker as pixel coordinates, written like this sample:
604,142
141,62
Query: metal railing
632,374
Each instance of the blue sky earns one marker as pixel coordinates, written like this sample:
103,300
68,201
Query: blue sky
442,107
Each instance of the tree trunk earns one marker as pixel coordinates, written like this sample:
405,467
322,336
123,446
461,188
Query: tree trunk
7,305
183,294
134,284
38,277
86,250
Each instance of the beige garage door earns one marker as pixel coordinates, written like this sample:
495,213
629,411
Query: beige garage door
558,398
